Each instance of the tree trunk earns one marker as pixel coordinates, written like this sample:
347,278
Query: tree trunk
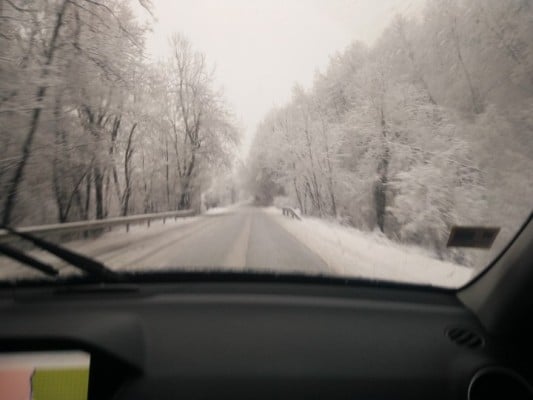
316,195
298,196
185,199
185,196
380,188
380,195
167,173
473,92
16,180
88,190
57,172
127,172
146,194
58,193
331,185
99,192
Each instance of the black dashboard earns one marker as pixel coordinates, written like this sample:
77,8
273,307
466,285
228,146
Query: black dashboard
260,340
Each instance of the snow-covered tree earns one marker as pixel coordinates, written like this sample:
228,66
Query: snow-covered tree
84,121
428,128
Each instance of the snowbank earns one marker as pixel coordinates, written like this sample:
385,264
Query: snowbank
354,253
217,210
107,248
228,208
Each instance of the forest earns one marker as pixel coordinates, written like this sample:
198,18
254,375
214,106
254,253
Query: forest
429,127
91,127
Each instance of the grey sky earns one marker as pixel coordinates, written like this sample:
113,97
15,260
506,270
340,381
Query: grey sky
260,48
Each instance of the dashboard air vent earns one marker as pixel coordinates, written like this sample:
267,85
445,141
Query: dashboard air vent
465,337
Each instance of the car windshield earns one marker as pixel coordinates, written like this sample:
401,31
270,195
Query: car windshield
386,140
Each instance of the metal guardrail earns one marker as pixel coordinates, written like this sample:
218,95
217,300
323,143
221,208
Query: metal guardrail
86,226
289,212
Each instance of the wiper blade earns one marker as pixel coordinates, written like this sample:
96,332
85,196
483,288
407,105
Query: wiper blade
27,260
79,261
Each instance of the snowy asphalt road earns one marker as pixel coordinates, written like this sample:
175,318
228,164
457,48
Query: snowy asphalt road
253,239
240,239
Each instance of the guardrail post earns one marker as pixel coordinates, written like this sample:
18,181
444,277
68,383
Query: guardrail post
164,220
290,213
148,223
127,227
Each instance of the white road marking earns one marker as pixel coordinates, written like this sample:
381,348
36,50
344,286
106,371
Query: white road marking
236,256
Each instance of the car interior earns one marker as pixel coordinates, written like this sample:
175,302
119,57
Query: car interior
280,199
241,335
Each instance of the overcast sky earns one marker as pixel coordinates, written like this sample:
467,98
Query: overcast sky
261,48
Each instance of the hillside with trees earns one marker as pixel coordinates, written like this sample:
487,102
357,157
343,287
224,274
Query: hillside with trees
90,127
429,127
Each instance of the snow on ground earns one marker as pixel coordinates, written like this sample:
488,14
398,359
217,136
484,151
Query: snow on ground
354,253
138,231
228,208
107,248
347,251
110,247
218,210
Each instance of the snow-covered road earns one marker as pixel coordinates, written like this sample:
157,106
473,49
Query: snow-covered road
248,238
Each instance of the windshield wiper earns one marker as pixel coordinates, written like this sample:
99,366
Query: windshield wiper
27,260
79,261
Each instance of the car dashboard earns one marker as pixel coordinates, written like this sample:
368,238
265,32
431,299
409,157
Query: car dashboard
259,340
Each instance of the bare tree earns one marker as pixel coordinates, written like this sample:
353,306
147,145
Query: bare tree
16,179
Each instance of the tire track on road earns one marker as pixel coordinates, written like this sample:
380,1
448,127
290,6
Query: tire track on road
117,260
330,269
